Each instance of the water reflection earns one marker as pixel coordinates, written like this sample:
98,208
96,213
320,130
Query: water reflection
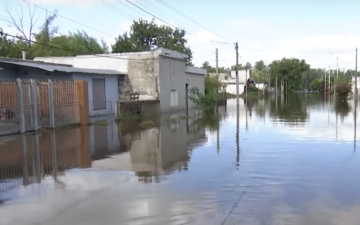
290,162
149,153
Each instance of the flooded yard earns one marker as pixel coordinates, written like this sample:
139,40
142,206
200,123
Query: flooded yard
273,161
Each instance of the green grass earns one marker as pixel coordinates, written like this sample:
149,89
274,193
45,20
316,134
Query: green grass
100,123
147,124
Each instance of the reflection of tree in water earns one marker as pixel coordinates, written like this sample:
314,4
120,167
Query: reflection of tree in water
294,110
209,120
249,104
342,108
260,109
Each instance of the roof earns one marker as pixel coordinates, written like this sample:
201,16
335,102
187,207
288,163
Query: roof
51,67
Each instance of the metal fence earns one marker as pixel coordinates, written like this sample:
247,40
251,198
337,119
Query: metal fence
28,105
100,108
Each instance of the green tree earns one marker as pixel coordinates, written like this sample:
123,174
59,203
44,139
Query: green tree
260,65
79,43
288,71
206,65
239,66
8,46
314,84
147,35
259,72
248,66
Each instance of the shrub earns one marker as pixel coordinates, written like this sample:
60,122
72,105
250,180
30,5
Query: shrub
343,88
209,99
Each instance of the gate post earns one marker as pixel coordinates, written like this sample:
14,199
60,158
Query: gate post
51,103
21,105
34,102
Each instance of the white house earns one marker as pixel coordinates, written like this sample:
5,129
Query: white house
160,74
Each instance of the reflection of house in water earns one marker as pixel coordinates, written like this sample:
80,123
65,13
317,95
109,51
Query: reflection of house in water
154,152
27,159
151,153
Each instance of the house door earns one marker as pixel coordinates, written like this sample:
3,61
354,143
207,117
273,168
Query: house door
99,94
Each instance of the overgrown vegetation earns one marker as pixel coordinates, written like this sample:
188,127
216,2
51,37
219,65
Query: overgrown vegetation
209,99
343,89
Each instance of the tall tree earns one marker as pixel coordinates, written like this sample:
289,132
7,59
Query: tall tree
10,47
248,66
79,43
288,71
260,65
206,65
21,24
147,35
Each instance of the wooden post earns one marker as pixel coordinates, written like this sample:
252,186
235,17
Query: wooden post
82,98
84,154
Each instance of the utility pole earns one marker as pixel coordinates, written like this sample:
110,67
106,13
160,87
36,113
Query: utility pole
356,90
329,80
217,62
237,73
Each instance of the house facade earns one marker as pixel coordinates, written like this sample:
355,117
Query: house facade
161,74
102,84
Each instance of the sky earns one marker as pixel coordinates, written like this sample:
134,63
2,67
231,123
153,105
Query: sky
317,31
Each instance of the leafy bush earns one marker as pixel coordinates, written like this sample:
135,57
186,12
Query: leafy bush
251,89
209,99
343,88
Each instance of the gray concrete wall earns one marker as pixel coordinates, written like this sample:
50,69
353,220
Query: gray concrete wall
143,76
195,80
146,108
172,77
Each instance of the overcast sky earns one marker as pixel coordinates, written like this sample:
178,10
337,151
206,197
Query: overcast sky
265,30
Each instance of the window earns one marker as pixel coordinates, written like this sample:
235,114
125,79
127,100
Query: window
173,98
99,95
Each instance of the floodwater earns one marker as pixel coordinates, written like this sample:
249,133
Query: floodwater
287,161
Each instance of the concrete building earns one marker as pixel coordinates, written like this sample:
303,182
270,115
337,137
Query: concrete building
161,74
102,83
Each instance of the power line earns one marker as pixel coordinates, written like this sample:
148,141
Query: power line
3,34
187,17
129,7
69,19
218,42
115,9
205,56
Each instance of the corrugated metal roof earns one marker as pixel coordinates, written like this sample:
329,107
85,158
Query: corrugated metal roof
60,68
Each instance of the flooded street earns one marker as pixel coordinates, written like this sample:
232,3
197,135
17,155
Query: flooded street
284,161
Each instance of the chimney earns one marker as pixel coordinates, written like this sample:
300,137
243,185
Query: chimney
23,54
